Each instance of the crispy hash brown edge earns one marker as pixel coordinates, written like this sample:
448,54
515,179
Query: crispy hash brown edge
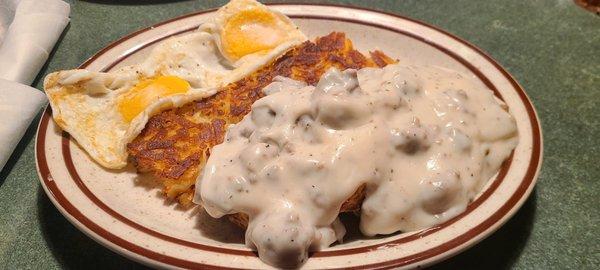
176,143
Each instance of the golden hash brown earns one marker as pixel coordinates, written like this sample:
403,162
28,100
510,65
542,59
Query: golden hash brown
176,142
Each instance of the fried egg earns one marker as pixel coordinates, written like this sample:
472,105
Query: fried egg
248,31
103,111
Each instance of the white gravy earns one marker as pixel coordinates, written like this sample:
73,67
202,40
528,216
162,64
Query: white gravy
423,140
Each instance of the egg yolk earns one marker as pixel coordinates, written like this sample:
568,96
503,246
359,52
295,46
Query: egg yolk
144,93
251,31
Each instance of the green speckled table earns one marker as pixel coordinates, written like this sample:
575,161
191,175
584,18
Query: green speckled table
551,47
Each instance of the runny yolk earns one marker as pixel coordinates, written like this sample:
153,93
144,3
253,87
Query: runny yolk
250,31
144,93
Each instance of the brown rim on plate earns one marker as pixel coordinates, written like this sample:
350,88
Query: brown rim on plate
66,151
589,5
434,251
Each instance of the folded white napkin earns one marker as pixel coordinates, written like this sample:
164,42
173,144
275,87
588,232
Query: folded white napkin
19,104
28,31
33,31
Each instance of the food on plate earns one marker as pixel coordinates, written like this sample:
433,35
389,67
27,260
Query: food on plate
176,143
104,111
249,119
422,140
248,29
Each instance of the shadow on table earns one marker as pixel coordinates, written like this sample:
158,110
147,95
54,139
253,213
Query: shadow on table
501,249
133,2
75,250
71,248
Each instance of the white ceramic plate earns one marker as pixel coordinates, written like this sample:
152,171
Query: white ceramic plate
124,213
